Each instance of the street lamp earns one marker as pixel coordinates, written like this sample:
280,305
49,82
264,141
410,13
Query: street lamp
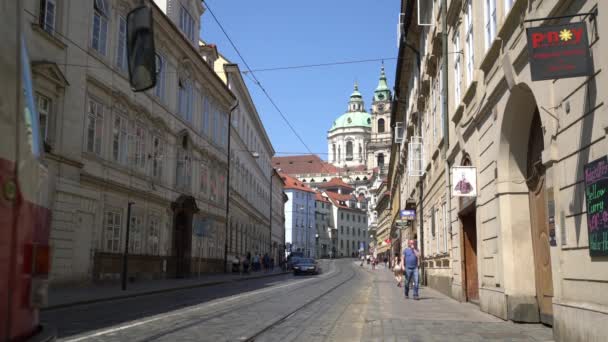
317,245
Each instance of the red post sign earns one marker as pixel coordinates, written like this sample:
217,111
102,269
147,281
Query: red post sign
559,51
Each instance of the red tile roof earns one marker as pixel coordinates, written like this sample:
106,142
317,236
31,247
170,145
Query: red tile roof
335,182
308,163
319,197
294,184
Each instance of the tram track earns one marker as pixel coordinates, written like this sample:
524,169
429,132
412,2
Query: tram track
292,313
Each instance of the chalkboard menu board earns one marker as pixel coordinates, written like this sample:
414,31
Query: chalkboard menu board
596,194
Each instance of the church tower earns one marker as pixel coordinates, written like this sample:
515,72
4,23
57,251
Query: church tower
347,137
378,149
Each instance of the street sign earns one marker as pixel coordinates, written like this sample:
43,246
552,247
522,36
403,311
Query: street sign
559,51
407,214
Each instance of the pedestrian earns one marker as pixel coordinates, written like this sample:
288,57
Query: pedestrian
362,260
272,264
246,263
386,262
397,270
373,263
236,264
410,263
266,261
256,262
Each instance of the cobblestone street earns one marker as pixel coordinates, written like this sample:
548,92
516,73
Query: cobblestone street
345,303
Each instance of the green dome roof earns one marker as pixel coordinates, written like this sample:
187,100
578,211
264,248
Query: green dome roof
352,119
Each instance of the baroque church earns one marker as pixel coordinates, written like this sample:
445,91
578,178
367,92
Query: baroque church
359,143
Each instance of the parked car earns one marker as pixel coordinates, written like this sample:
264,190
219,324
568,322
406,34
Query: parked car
306,266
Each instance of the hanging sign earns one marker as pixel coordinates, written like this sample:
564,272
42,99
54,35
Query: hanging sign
596,196
559,51
408,214
464,181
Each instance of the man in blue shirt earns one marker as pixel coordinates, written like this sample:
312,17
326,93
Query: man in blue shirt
410,263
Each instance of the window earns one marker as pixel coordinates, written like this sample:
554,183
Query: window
94,127
508,6
47,15
140,147
44,112
446,224
349,150
341,229
112,231
432,214
221,183
213,184
121,49
135,234
100,26
159,89
434,108
441,91
457,76
380,125
470,59
183,167
204,181
381,160
119,139
153,234
186,23
207,105
333,152
342,216
184,88
157,154
490,22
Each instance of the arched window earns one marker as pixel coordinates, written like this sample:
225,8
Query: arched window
360,153
380,125
333,152
349,150
339,152
381,159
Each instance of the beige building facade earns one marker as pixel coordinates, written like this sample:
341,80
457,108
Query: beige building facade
519,249
163,150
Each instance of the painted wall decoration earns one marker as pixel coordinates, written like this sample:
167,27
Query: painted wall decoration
464,181
596,197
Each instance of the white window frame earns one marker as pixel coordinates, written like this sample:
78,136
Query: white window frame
457,60
446,221
99,33
44,104
470,53
48,15
187,23
120,136
153,234
94,120
183,169
121,44
441,109
434,109
204,179
508,6
207,107
112,230
136,234
139,148
184,96
159,89
157,154
489,22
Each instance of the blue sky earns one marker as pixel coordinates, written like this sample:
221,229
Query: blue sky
276,33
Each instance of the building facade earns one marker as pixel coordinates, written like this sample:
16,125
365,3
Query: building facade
249,229
520,248
299,217
325,230
278,218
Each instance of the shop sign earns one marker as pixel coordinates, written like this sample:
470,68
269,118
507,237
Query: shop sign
559,51
596,196
408,214
464,181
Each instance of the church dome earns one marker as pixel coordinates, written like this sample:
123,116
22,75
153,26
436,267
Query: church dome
355,116
352,119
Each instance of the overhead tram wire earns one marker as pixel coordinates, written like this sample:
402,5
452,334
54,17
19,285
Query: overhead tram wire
255,79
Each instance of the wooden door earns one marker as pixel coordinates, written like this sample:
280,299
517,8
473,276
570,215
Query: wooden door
83,234
470,257
542,254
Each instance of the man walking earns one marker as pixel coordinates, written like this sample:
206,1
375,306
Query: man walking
410,263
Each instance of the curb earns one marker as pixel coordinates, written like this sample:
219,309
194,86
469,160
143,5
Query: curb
151,292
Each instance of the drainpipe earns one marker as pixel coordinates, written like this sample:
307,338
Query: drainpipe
444,104
236,104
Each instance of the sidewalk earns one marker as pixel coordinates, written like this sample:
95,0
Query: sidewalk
60,297
435,317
